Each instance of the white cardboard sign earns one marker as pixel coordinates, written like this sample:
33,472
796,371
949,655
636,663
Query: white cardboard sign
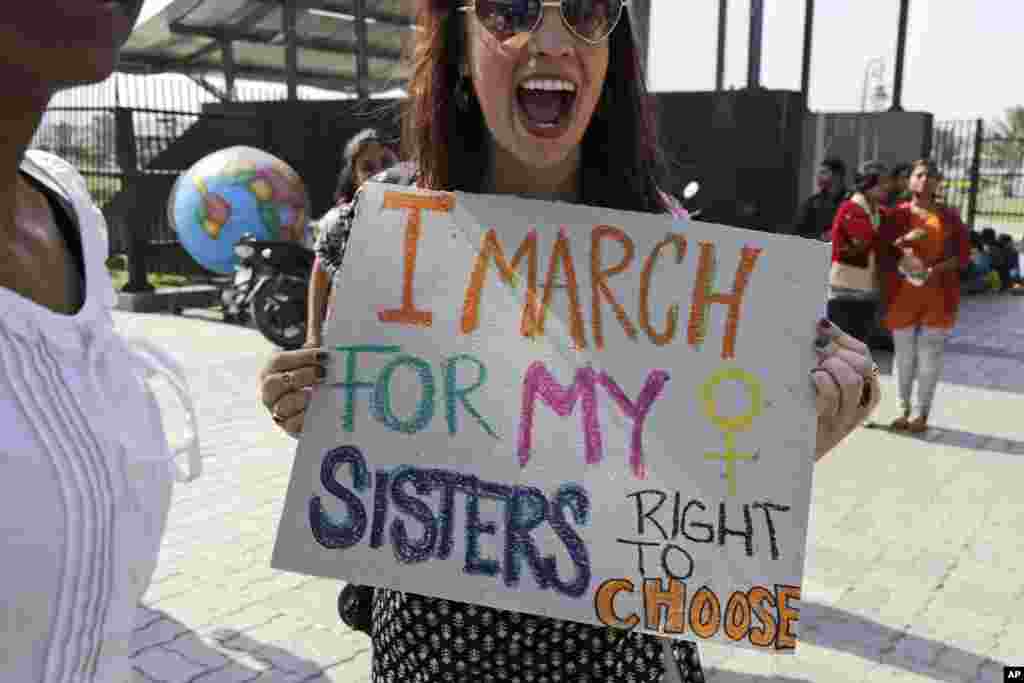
595,415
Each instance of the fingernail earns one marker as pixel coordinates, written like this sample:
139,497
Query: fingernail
321,373
323,357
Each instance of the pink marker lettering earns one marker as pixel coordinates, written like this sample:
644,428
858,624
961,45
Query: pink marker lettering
637,412
539,382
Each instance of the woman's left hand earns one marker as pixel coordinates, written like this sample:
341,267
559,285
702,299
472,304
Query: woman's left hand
286,383
846,383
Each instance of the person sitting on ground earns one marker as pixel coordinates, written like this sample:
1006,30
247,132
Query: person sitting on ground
815,216
1013,256
1009,261
365,156
974,279
997,256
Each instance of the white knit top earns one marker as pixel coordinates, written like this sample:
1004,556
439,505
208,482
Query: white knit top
85,470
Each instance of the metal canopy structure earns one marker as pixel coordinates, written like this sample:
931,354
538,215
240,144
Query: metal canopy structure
349,46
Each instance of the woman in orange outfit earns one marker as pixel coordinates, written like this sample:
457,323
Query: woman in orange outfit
928,246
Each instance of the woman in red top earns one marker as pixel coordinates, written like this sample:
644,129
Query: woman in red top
928,246
853,287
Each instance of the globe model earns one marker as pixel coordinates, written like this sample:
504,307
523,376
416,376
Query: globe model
232,192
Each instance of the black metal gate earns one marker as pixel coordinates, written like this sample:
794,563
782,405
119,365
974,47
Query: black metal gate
122,136
984,174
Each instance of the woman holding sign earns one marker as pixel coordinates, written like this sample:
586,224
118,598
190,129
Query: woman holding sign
545,101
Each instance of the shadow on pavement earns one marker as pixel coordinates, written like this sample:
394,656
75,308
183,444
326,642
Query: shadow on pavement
166,649
959,439
726,676
855,634
976,442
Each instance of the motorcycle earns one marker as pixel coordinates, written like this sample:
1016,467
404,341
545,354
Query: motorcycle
270,287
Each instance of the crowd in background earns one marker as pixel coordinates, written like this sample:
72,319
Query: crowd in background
995,258
901,259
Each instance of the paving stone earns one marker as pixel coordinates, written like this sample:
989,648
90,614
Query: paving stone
167,666
204,651
232,673
157,633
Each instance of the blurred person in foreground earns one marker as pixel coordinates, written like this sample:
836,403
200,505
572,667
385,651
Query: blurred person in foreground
87,469
550,107
926,247
815,216
854,289
365,155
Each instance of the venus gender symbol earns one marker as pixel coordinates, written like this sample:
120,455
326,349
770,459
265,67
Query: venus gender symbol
731,426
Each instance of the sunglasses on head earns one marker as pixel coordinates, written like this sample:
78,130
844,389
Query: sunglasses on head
591,21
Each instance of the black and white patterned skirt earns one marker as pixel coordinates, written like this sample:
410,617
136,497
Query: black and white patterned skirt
419,639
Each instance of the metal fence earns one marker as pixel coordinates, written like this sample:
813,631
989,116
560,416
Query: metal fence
984,173
113,131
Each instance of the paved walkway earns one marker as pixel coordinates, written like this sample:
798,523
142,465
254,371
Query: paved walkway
913,567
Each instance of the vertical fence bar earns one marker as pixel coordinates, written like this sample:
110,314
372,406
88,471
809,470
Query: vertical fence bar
362,58
291,50
756,42
805,71
972,198
723,16
901,51
127,158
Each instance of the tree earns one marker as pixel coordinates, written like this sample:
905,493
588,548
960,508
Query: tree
1007,146
946,147
103,130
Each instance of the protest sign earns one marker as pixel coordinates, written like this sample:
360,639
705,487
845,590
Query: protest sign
594,415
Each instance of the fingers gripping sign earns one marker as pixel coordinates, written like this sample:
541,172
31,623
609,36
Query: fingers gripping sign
286,385
845,383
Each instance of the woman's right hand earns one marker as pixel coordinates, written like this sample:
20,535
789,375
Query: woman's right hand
286,385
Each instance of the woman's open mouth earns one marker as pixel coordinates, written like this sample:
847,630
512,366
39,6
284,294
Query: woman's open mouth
546,105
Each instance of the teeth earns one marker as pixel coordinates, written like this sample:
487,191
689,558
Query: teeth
549,84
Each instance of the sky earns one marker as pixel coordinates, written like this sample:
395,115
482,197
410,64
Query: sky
955,50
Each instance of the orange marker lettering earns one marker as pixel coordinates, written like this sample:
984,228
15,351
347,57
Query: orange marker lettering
659,338
704,295
705,613
737,616
599,280
491,250
408,314
762,636
673,600
561,254
604,602
787,616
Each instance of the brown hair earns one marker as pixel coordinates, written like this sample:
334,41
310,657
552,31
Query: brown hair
621,164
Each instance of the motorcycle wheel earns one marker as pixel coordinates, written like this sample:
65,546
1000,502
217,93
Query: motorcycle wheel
279,309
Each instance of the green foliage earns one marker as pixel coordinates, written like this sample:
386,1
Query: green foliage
119,275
